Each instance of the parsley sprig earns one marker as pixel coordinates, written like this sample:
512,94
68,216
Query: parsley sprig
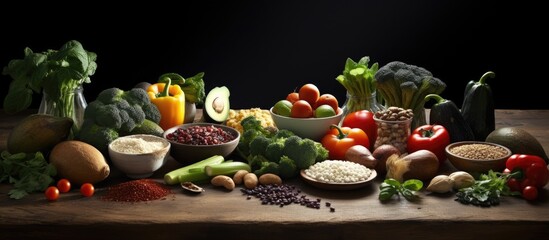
28,172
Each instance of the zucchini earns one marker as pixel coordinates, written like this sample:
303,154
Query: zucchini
478,107
445,112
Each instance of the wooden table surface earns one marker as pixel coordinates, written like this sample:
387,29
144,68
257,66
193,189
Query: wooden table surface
226,215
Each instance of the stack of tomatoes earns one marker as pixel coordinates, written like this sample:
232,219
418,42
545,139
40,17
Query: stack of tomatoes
307,103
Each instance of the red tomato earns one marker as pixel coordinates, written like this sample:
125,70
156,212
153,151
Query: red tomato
310,93
364,120
514,185
338,140
52,193
327,99
530,193
64,185
301,109
293,97
87,190
434,138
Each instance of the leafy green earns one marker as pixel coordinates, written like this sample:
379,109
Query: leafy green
408,189
28,172
193,87
487,190
58,73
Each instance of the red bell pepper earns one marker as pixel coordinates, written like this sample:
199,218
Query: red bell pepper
434,138
526,170
339,139
364,120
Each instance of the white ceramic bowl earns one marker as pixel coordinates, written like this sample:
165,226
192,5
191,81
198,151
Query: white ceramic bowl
312,128
139,165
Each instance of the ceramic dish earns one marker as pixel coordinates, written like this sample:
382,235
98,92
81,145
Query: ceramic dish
338,186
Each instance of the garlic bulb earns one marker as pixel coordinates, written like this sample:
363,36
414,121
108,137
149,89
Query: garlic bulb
440,184
462,179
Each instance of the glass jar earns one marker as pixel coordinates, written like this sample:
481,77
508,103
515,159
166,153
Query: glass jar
420,117
355,103
395,133
70,104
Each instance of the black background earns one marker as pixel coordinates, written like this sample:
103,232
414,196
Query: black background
264,50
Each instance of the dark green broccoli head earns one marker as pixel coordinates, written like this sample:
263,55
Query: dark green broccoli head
302,151
384,75
256,161
105,115
274,151
267,167
283,133
97,136
258,145
287,168
321,152
110,95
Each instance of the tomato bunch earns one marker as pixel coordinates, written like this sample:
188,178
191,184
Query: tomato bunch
307,103
64,186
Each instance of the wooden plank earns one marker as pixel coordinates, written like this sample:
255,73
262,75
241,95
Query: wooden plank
229,215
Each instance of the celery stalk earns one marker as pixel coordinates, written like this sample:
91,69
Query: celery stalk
226,168
174,176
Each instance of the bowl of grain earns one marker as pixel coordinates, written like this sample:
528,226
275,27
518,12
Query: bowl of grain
477,156
140,155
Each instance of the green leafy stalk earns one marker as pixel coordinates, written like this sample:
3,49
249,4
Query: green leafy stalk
226,168
358,80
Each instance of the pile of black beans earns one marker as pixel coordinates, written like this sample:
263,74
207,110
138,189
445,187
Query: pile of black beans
282,195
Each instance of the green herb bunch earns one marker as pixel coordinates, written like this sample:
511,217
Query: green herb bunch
487,190
408,189
28,172
57,73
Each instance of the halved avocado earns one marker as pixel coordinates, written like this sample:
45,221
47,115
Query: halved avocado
216,105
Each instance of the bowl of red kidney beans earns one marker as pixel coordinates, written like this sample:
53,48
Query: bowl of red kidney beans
193,142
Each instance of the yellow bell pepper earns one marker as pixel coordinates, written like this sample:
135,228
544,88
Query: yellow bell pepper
170,101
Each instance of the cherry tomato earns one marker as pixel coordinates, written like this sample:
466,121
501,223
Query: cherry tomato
514,185
530,193
87,189
52,193
327,99
293,97
364,120
310,93
301,109
64,185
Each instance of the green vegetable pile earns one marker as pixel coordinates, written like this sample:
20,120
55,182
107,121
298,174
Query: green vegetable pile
487,190
408,189
193,87
28,172
117,113
56,72
280,152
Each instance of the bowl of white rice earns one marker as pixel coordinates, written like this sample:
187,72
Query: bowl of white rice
140,155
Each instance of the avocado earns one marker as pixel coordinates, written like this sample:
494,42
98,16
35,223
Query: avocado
518,141
147,127
216,105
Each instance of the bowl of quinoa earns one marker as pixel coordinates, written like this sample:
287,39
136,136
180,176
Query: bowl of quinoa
477,156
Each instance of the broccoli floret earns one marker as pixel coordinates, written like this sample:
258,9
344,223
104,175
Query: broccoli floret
267,167
258,145
110,95
275,150
302,151
287,167
256,161
97,136
283,133
151,112
408,90
321,152
103,115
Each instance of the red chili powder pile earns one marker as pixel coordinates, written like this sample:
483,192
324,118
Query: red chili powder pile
136,191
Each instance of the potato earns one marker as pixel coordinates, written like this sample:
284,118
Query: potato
361,155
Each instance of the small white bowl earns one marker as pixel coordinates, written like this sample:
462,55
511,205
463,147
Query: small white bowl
138,165
312,128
